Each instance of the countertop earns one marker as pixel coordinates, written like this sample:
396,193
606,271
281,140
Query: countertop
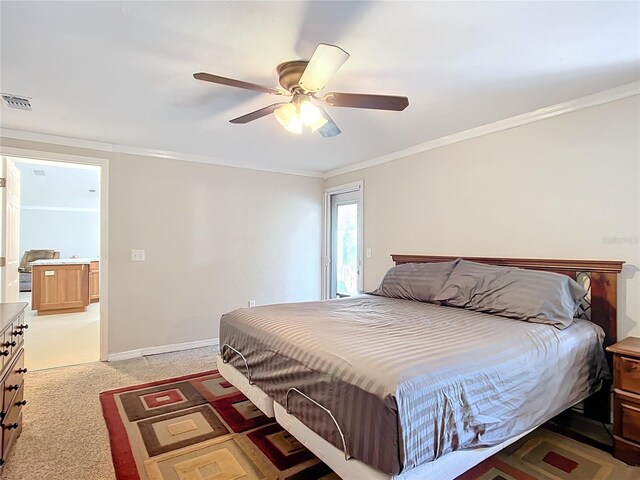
65,261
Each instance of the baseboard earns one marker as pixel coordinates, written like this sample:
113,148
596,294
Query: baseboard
115,357
176,347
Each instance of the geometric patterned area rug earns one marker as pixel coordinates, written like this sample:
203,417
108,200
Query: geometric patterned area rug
544,455
200,427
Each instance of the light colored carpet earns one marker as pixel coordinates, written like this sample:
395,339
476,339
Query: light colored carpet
60,340
64,436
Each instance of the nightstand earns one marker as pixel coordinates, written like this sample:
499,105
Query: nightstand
626,400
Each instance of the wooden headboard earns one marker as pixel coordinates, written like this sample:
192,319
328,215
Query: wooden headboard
600,277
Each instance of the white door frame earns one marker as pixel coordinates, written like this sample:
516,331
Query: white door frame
326,233
26,154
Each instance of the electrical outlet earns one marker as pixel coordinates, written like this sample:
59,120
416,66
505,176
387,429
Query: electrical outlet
137,255
252,303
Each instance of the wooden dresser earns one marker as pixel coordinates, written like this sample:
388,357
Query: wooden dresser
12,331
626,400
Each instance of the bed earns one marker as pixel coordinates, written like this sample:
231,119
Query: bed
389,388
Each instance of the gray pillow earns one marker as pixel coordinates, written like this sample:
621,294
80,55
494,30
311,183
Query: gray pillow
415,281
533,296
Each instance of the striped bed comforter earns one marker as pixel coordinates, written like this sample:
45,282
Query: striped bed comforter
408,381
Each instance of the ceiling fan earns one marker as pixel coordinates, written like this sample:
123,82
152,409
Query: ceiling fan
302,80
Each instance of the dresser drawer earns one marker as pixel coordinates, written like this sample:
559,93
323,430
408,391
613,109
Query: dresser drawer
10,344
12,340
6,344
12,333
14,381
627,374
17,331
630,421
11,425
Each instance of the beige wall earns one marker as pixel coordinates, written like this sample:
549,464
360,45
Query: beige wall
215,237
565,187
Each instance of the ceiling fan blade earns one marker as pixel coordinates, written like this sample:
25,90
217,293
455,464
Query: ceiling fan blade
250,117
360,100
329,129
324,63
208,77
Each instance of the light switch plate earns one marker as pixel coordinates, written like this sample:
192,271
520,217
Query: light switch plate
368,253
137,255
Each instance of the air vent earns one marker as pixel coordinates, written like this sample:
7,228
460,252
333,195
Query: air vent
20,103
38,173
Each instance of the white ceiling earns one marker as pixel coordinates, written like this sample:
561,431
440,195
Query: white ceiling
120,72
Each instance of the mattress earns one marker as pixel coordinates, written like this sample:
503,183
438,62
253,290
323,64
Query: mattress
409,382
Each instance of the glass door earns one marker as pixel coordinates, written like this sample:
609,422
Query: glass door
345,252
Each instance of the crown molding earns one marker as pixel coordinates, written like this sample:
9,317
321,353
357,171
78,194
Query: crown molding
146,152
593,100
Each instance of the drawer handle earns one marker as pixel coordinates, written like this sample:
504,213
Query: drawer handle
13,387
17,332
9,344
4,353
23,327
21,403
11,426
3,414
21,371
1,461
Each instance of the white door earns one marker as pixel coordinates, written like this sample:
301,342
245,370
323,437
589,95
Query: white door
344,249
10,282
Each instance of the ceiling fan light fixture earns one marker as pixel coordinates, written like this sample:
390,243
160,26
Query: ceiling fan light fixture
318,123
299,115
302,79
309,113
294,126
287,116
284,113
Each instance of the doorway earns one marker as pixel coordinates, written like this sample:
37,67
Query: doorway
51,233
342,272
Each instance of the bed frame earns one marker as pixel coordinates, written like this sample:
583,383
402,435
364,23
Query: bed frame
600,306
599,277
